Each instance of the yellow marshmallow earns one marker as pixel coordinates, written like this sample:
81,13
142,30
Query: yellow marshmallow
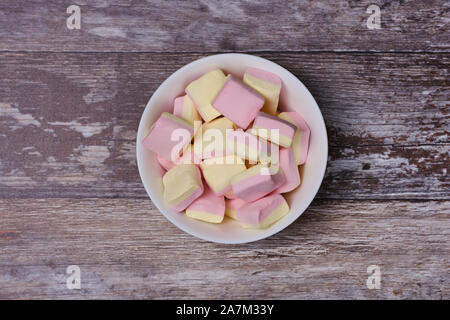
205,145
296,142
185,109
264,133
300,141
219,171
270,91
231,205
231,213
208,207
276,215
297,136
203,91
204,216
182,185
188,156
279,213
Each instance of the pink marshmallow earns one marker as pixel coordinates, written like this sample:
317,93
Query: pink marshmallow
166,164
264,75
159,139
285,129
184,108
235,203
230,195
253,214
183,205
232,205
238,102
207,204
256,182
188,156
178,106
290,170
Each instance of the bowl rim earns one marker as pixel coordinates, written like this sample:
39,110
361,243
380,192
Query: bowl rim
274,229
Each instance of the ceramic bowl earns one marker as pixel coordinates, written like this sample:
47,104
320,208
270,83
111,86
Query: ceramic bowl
294,97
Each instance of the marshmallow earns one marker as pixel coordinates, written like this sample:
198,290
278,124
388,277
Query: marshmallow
210,140
256,182
166,164
247,145
203,91
289,166
182,185
231,206
238,102
263,125
263,212
300,143
169,136
188,156
267,84
230,195
184,108
250,163
218,172
208,207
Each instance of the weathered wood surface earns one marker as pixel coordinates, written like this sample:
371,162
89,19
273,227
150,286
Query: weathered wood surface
70,103
212,26
68,121
127,249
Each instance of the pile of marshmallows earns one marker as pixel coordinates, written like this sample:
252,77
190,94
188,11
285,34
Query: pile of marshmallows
215,168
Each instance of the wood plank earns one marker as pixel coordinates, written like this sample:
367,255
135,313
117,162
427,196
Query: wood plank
73,133
212,26
366,99
127,249
387,173
94,170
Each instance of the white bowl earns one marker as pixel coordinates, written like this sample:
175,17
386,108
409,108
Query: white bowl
294,97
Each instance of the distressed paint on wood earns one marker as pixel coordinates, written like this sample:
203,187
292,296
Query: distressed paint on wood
212,26
379,172
68,122
399,99
127,249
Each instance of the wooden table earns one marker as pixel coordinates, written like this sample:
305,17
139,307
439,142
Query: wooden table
70,192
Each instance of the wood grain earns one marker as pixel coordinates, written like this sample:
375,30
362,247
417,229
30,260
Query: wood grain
70,193
127,249
68,121
212,26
